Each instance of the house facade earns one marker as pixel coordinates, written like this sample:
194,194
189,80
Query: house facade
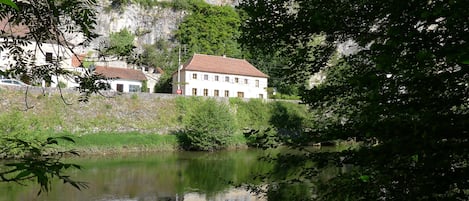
122,79
42,54
219,76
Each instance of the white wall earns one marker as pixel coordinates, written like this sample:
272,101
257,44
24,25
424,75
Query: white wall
57,51
125,83
250,89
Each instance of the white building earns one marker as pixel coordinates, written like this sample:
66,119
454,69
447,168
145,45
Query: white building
123,79
38,55
206,75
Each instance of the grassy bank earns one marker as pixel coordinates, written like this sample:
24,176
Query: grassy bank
108,143
131,122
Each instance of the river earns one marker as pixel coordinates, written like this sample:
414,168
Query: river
189,176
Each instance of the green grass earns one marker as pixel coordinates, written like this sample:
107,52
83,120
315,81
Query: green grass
121,142
101,143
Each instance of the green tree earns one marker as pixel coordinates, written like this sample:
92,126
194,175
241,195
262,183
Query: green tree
121,43
164,55
402,92
210,30
31,24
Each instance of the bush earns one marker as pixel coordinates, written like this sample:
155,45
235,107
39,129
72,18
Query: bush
209,126
254,114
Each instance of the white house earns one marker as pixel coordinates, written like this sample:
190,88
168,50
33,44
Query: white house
41,54
123,79
206,75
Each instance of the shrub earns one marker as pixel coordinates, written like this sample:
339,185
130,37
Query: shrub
208,126
251,114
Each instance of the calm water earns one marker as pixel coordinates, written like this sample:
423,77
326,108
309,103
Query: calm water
153,176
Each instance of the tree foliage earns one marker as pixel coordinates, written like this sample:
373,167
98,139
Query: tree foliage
164,55
121,43
210,30
403,92
39,163
28,26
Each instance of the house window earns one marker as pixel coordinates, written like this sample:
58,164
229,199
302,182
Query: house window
257,83
236,80
227,93
205,92
120,87
205,77
194,76
48,57
134,88
216,78
227,79
240,94
245,81
261,95
216,92
194,91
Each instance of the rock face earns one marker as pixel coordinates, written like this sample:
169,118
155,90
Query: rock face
148,24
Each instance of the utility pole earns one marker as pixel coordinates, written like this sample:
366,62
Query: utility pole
179,72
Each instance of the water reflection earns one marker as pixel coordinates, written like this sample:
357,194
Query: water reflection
154,176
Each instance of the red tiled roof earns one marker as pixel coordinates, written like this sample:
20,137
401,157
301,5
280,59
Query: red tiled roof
224,65
7,29
77,60
120,73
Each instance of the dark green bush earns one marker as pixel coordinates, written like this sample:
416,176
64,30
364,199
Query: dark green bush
264,138
209,126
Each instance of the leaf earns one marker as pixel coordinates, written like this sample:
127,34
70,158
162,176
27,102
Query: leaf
365,178
66,138
52,141
23,174
415,158
9,3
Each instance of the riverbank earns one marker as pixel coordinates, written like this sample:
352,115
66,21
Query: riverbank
133,112
131,122
112,143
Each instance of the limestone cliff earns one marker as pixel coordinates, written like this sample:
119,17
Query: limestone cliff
148,24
